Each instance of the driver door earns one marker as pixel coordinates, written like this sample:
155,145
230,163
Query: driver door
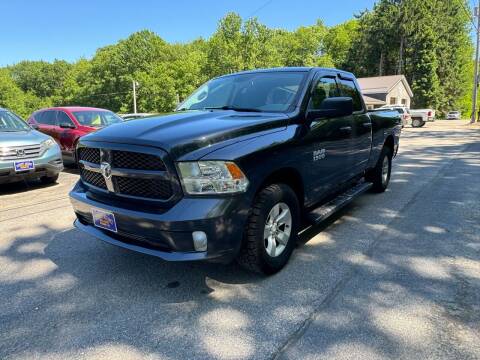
327,144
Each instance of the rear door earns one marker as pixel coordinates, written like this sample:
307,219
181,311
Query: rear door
361,124
327,143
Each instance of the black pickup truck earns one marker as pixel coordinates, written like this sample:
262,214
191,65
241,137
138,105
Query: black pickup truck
244,163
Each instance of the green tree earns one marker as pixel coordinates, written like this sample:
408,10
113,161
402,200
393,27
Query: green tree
11,96
338,42
426,40
304,46
40,77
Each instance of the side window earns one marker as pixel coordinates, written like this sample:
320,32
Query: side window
348,88
63,118
48,118
325,88
39,117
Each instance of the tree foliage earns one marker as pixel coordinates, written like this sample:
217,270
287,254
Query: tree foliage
430,37
426,40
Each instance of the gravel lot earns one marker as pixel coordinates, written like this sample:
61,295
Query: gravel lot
395,275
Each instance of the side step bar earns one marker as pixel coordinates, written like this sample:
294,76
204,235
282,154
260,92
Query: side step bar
326,210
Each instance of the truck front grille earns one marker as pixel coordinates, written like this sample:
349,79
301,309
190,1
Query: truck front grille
89,154
93,178
20,152
136,161
137,174
146,188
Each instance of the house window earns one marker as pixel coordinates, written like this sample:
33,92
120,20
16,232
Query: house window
393,101
404,101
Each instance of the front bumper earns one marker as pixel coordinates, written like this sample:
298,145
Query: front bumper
168,233
49,164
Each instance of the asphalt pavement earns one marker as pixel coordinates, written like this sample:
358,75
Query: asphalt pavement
394,275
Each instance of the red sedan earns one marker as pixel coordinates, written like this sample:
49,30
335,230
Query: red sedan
67,124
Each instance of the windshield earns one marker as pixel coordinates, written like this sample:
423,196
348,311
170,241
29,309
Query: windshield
11,122
261,91
96,118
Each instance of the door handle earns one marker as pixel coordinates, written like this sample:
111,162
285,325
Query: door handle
367,124
346,129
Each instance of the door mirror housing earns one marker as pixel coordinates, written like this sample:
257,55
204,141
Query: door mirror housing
332,107
67,125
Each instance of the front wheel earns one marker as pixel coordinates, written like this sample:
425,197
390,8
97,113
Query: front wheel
271,230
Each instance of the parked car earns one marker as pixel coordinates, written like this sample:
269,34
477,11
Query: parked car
68,124
402,110
231,174
134,116
454,115
421,116
26,153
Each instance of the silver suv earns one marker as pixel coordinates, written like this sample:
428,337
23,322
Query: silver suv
26,153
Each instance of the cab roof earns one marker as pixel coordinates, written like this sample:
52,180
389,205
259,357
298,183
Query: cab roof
74,108
291,69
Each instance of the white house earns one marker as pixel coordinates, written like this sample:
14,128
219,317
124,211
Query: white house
386,90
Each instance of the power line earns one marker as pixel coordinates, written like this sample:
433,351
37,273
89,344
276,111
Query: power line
265,4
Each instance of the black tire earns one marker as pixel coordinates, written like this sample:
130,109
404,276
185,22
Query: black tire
376,175
49,179
253,254
417,123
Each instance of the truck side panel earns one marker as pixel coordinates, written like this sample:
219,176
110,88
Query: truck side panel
384,124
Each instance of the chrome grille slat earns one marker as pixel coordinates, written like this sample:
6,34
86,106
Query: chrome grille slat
29,152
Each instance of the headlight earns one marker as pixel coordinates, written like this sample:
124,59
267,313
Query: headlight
212,177
47,144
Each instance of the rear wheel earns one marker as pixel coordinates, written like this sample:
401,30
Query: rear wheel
416,122
271,230
380,174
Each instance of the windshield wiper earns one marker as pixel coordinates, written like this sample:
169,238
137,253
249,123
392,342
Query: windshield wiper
234,108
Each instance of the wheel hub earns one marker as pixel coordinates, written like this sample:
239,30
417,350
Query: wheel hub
385,167
277,229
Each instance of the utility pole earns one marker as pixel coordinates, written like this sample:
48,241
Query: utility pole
135,84
475,74
400,57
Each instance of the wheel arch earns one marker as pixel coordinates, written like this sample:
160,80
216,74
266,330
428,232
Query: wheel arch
288,176
390,143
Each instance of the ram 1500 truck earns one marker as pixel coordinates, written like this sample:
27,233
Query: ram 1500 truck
234,173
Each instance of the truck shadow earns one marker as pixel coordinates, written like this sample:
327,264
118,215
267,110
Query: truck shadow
23,186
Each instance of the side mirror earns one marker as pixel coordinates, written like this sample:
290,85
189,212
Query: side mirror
67,125
332,107
34,126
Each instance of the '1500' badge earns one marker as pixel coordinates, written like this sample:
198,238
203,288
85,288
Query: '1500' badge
319,154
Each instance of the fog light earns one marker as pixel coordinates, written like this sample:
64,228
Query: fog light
199,240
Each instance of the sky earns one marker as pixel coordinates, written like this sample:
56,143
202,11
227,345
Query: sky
69,30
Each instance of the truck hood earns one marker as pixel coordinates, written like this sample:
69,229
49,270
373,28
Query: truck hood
21,138
192,134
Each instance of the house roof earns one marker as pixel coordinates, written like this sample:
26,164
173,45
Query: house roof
382,84
372,101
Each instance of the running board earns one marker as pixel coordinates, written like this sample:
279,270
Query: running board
326,210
